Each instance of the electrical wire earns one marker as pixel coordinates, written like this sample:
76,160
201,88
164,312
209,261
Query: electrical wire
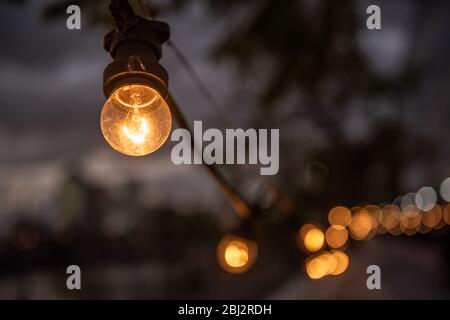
240,206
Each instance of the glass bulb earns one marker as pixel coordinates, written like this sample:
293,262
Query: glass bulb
135,120
236,254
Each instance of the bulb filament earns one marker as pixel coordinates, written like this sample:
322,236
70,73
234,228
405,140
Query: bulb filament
142,131
136,127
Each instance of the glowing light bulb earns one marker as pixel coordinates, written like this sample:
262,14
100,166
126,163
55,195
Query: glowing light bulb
236,254
135,120
326,263
314,239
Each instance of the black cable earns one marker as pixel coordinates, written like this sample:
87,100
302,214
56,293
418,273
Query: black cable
195,77
240,206
123,14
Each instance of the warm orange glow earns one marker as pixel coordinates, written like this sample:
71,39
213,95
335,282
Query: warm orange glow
342,262
391,219
304,229
361,225
326,263
135,120
235,254
317,267
339,216
432,217
446,214
375,212
314,239
410,210
336,236
332,261
424,229
410,220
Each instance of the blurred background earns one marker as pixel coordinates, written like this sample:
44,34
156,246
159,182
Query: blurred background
363,118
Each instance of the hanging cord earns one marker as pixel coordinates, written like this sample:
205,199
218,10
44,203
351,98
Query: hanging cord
240,206
123,15
201,87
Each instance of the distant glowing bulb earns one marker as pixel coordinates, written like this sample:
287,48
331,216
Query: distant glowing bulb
326,263
317,267
314,239
361,225
135,120
236,254
336,236
342,262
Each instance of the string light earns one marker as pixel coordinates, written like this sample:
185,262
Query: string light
410,220
446,214
336,236
343,262
340,216
135,119
361,224
236,254
418,213
311,238
433,217
326,263
391,218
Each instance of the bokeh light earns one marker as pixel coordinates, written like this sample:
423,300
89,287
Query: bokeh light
317,267
339,216
336,236
391,219
326,263
408,199
235,254
426,199
410,220
361,224
444,189
446,214
342,262
376,214
432,218
314,239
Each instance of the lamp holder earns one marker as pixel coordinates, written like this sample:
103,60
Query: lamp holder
135,46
